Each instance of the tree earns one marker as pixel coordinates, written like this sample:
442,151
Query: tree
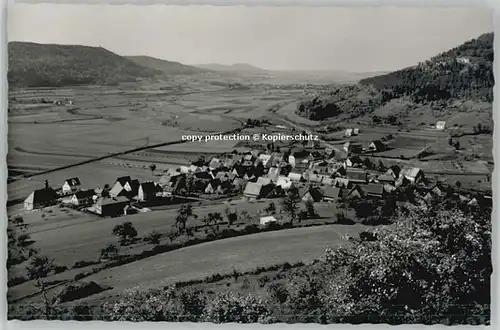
311,212
152,167
271,208
184,213
126,232
109,252
38,269
153,237
232,216
290,204
431,266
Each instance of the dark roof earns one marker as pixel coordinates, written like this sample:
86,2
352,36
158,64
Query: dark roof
85,194
215,183
73,182
203,175
332,192
386,177
116,200
378,144
134,184
356,175
123,180
316,193
374,189
149,187
44,195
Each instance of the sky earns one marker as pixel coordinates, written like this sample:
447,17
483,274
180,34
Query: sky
358,39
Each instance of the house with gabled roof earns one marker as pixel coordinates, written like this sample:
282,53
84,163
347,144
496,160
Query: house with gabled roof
215,163
284,182
148,191
312,194
213,186
111,207
83,198
355,192
357,176
413,174
40,198
353,161
394,171
374,190
71,185
331,194
386,179
122,183
377,146
252,190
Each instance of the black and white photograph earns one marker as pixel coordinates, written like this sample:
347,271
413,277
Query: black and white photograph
250,164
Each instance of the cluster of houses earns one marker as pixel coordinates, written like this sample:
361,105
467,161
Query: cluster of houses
105,202
319,176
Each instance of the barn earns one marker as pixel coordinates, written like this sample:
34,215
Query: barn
40,198
111,207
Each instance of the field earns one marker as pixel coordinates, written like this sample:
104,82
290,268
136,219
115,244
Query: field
242,253
106,120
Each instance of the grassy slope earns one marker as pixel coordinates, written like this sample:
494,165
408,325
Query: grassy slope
242,253
167,67
49,65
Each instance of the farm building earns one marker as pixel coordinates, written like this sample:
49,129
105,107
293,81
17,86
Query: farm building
313,194
353,147
71,185
376,146
374,190
327,181
83,198
125,186
120,185
355,192
267,219
111,207
386,178
353,161
440,125
413,174
252,190
331,194
394,171
148,191
40,198
213,186
357,176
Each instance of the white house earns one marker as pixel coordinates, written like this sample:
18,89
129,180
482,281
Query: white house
71,185
348,132
441,125
267,219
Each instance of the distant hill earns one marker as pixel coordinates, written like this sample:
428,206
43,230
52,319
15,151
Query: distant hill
50,65
167,67
236,68
463,73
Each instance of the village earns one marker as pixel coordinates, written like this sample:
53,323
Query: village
315,174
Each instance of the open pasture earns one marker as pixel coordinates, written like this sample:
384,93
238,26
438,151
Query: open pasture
241,253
